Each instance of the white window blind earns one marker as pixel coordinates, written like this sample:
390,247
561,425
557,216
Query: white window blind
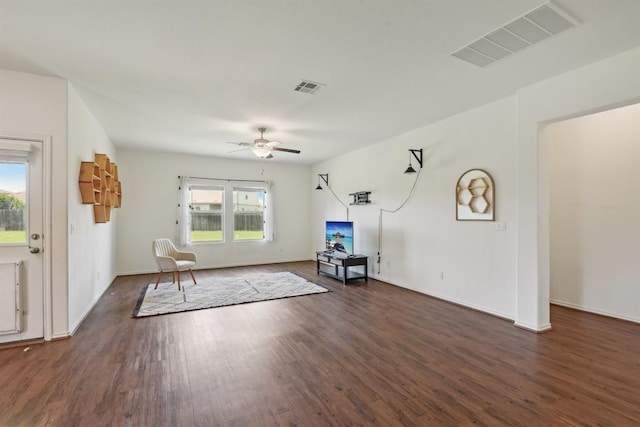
14,151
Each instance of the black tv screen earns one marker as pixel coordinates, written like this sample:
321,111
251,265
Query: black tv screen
339,236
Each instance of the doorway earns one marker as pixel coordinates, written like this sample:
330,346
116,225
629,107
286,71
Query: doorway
593,167
22,278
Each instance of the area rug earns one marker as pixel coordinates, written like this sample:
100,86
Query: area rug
222,291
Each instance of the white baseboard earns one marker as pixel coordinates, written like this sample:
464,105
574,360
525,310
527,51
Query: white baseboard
530,328
60,336
442,297
73,328
591,310
213,267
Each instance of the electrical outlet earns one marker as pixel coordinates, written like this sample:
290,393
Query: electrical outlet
501,226
442,275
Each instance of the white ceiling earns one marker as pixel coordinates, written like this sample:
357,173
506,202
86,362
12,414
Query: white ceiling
188,75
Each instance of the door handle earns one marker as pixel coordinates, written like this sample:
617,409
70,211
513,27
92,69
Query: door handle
34,250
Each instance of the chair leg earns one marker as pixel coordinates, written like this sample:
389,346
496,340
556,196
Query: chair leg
158,281
178,273
174,276
192,276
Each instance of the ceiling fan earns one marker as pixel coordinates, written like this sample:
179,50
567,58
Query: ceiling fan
263,147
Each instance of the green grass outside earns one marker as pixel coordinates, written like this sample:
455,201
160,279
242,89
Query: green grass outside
7,237
216,236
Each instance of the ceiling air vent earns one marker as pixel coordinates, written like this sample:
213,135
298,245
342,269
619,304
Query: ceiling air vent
307,86
533,27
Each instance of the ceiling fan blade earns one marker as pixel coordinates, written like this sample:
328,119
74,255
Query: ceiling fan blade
245,144
241,149
270,156
286,150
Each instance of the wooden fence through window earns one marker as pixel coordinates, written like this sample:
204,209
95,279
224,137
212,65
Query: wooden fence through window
207,221
12,219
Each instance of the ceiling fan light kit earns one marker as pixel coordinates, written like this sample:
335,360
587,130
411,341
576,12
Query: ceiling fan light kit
263,148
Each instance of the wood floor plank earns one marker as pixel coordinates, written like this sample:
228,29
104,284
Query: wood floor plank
363,354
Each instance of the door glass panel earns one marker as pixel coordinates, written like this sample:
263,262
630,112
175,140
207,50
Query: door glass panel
13,205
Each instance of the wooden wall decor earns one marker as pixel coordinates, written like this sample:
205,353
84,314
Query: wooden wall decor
100,187
475,196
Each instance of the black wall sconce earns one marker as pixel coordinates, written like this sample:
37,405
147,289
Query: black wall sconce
417,154
325,178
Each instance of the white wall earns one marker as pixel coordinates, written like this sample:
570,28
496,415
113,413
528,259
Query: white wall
149,209
31,106
594,170
423,239
420,242
92,247
600,86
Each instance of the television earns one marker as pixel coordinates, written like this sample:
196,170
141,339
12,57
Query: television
339,236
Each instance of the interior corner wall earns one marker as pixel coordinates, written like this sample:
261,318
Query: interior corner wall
149,209
594,170
424,248
609,83
92,247
31,106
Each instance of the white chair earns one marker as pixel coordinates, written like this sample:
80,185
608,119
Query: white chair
170,259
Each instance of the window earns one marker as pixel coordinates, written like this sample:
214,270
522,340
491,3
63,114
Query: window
248,213
218,211
206,205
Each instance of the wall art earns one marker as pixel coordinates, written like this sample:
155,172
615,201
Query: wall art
475,196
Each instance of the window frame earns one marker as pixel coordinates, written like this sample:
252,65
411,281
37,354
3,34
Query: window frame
250,188
221,211
228,188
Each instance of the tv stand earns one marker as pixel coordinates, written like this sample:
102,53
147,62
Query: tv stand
339,264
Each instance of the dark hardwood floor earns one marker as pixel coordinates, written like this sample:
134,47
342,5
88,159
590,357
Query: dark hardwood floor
364,354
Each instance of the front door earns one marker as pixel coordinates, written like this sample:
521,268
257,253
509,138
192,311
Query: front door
21,240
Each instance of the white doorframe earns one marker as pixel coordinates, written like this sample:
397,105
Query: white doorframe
46,224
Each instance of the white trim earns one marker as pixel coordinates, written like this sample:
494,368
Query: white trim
60,336
537,330
591,310
46,241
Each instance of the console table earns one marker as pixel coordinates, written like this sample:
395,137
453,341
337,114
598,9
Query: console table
340,264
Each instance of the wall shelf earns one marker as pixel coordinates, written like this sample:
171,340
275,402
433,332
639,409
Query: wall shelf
89,182
100,186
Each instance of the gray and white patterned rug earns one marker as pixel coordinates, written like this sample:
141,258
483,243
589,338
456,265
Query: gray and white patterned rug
222,291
